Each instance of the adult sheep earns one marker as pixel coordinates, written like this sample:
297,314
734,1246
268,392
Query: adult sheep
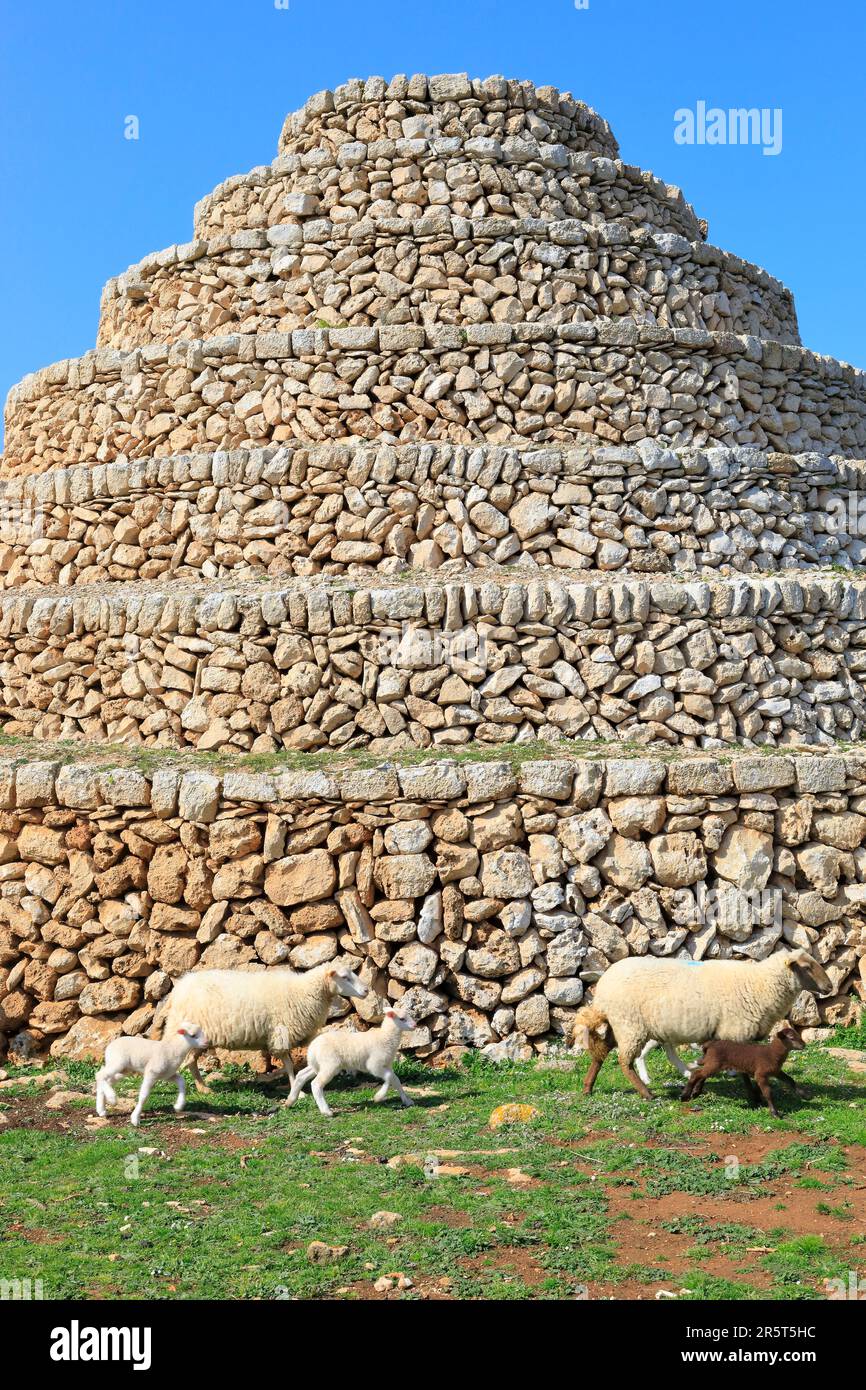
270,1011
675,1001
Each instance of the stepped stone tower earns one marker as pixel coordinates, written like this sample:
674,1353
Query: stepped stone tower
450,431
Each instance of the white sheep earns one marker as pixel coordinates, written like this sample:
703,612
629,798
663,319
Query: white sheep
643,998
153,1061
340,1049
268,1010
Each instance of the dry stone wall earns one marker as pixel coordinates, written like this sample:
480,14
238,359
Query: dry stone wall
491,383
487,270
495,660
448,431
487,898
359,508
401,185
451,103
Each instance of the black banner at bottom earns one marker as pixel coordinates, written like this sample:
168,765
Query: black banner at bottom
150,1338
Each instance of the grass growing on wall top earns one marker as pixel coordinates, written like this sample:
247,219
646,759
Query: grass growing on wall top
20,749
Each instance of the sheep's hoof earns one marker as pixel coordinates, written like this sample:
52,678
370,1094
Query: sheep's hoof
203,1090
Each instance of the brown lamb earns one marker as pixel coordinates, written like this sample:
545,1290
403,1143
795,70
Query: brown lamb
754,1060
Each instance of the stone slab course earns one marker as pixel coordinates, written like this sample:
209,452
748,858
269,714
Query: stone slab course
444,270
498,660
408,185
485,896
362,508
487,382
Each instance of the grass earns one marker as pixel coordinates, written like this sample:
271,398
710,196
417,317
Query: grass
594,1195
19,748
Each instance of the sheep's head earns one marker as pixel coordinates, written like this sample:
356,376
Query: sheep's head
808,972
403,1021
791,1038
194,1036
343,981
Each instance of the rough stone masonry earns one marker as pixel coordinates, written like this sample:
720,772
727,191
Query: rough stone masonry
487,897
448,435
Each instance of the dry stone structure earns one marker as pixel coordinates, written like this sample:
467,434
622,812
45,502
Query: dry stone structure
448,431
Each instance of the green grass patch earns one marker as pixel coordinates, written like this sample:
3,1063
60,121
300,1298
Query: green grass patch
225,1202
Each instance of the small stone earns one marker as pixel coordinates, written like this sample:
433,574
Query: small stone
384,1220
319,1253
512,1113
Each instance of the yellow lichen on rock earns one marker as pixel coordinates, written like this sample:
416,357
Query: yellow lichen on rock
512,1113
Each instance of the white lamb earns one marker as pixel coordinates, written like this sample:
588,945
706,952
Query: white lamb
343,1050
674,1001
153,1061
267,1010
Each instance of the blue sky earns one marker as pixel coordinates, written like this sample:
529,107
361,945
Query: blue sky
211,81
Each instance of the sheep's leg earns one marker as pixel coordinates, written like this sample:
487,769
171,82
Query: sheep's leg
675,1059
284,1071
181,1093
764,1087
392,1081
304,1075
146,1087
694,1085
789,1080
104,1091
286,1068
317,1086
753,1093
671,1054
202,1088
640,1063
626,1059
598,1050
